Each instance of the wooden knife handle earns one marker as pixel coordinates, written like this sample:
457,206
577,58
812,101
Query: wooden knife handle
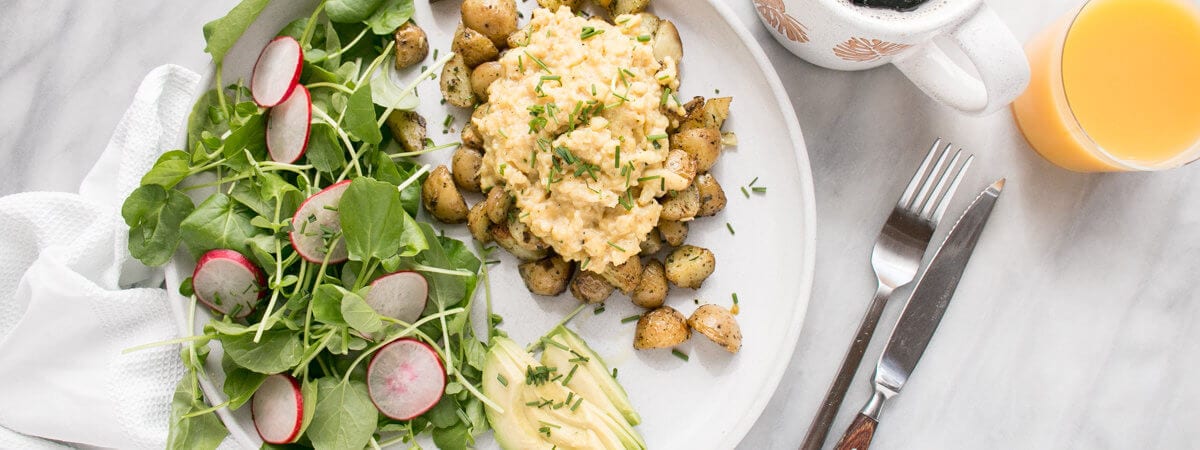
858,436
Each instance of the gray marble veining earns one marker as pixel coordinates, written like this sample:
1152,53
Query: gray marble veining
1073,327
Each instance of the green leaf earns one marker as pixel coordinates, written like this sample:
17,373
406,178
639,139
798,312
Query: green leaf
452,438
324,151
308,391
199,432
227,328
277,351
390,15
345,417
171,168
205,116
348,11
251,136
445,413
327,305
221,34
370,210
359,314
218,222
154,215
386,93
240,384
360,116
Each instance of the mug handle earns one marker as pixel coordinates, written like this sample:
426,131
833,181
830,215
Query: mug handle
998,58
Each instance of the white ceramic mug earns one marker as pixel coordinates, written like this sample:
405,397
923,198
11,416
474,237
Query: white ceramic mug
840,35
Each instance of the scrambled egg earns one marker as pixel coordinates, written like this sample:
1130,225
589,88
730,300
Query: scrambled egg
574,131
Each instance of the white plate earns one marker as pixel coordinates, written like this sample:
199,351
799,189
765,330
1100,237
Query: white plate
712,400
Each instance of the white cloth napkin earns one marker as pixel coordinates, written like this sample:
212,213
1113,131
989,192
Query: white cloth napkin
71,297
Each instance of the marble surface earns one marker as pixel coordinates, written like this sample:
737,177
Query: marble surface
1072,328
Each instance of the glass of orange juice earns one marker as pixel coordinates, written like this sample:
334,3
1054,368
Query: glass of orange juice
1115,86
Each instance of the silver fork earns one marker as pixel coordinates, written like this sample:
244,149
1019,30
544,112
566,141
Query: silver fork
895,258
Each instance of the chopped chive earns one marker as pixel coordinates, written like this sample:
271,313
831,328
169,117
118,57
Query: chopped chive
755,180
585,263
614,373
745,192
622,97
577,403
627,72
611,244
520,64
730,227
449,120
652,177
735,299
599,309
679,354
570,374
716,91
665,95
589,32
657,137
501,379
533,403
644,38
552,78
631,318
593,89
539,62
617,162
570,396
759,189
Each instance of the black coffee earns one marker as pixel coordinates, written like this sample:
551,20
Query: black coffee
898,5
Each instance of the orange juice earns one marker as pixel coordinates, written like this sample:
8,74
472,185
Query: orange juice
1116,86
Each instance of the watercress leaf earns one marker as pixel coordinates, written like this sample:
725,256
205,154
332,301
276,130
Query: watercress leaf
154,215
474,410
327,305
206,116
344,418
337,342
474,352
360,116
370,209
277,351
387,93
314,73
240,384
221,34
294,28
185,287
249,136
452,438
310,394
390,15
250,197
324,151
410,196
447,290
171,168
356,343
227,328
443,414
262,249
347,11
218,222
199,432
333,45
359,314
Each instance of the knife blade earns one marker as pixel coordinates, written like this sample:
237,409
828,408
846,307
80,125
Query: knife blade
924,310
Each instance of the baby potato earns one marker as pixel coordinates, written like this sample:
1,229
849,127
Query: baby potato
478,223
666,42
648,24
408,128
496,19
441,197
652,244
456,83
704,144
553,5
547,276
688,266
625,276
464,165
498,204
470,136
673,232
712,197
681,163
681,205
411,45
590,287
711,115
515,237
483,76
661,328
717,324
652,288
474,47
519,38
619,7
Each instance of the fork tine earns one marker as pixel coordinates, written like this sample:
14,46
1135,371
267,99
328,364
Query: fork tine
918,177
945,202
923,196
938,190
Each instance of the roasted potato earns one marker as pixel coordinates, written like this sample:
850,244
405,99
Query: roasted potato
683,165
652,244
474,47
666,42
553,5
411,45
712,197
606,4
619,7
464,165
688,266
478,223
441,197
711,115
483,76
648,24
673,232
547,276
470,136
660,328
704,144
652,287
681,205
456,83
519,38
590,287
625,276
496,19
408,128
515,237
718,324
498,204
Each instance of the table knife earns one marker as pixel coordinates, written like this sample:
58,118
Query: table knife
922,313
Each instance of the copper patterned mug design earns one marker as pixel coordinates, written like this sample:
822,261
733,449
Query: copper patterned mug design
839,35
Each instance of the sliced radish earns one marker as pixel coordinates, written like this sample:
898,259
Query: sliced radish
399,295
278,409
276,71
228,282
316,217
288,126
405,379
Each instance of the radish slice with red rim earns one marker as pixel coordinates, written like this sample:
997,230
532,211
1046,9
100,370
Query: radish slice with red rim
228,282
288,126
314,219
405,379
277,71
400,295
278,409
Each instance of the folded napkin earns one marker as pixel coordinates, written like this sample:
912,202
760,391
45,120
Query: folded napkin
72,298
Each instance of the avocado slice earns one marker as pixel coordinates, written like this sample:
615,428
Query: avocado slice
536,414
599,384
